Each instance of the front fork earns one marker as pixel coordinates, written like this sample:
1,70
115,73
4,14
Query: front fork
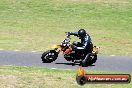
57,50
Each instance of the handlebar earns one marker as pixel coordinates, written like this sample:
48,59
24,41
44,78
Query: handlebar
67,34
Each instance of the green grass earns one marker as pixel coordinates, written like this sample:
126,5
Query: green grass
33,77
35,24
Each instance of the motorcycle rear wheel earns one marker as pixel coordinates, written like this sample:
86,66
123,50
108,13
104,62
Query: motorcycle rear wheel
49,56
89,60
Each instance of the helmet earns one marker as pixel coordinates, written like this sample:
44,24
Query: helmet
81,33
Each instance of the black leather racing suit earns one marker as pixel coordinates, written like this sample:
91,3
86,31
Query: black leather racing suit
86,43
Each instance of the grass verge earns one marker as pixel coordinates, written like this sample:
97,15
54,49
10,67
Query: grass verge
35,24
33,77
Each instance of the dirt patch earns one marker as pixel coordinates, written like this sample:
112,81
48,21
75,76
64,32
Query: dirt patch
8,81
99,1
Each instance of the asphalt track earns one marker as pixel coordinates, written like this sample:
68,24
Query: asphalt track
104,63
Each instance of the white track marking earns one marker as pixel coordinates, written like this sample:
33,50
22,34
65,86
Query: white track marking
16,50
33,51
1,49
112,55
53,68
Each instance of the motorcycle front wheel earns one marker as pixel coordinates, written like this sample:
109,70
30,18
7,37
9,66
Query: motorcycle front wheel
49,56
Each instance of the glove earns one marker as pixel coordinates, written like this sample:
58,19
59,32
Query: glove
68,33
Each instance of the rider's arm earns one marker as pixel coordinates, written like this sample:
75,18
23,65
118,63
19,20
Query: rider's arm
73,33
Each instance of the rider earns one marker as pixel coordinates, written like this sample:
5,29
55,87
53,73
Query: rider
86,42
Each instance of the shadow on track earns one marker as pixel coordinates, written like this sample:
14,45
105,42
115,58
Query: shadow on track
72,64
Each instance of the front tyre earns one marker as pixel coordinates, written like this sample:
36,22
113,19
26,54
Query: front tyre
49,56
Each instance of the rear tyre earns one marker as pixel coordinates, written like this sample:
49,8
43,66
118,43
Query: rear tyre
49,56
86,61
93,60
89,60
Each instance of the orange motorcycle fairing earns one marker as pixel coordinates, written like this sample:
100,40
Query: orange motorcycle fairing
68,50
54,46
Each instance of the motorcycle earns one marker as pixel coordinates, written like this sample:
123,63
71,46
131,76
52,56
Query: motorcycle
84,58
